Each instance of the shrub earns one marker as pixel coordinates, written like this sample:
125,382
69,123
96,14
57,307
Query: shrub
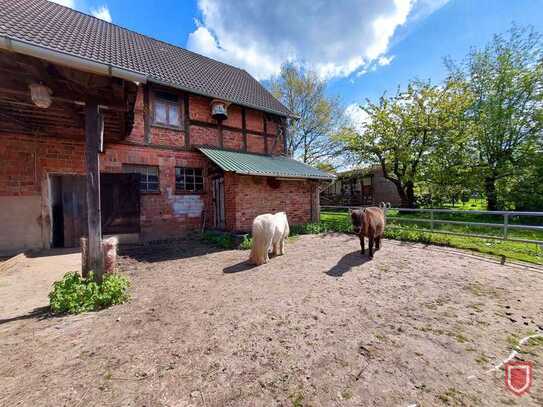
246,243
223,240
74,294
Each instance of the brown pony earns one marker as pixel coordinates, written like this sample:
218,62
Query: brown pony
370,223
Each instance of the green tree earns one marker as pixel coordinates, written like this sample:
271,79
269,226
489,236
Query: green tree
403,132
319,116
506,81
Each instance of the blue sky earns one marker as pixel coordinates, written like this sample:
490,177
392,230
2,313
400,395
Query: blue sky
363,47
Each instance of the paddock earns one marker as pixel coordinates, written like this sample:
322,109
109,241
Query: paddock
320,326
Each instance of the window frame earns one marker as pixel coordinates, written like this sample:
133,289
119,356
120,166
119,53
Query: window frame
189,191
126,168
179,105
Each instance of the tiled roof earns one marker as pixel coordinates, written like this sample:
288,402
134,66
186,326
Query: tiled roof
49,25
267,166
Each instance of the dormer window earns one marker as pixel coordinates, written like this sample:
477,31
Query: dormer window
166,109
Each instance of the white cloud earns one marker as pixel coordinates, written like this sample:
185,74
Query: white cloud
102,13
334,39
357,117
66,3
423,8
385,60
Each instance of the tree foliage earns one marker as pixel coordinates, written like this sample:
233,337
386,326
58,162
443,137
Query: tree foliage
479,131
506,81
304,93
404,132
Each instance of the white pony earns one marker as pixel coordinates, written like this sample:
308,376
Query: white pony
269,233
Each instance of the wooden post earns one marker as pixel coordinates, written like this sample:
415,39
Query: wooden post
265,127
244,128
94,218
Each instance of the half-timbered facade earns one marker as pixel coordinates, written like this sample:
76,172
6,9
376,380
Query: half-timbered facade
106,131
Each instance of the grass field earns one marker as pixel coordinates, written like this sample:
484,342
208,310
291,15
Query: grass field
411,231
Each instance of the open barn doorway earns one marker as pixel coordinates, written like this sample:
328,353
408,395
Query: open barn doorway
69,210
120,207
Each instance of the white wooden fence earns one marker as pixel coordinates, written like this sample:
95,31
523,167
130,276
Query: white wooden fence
505,225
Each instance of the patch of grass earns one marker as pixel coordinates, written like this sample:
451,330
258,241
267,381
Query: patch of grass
458,336
297,399
75,294
513,340
347,394
454,397
482,360
529,252
535,342
480,290
224,240
476,306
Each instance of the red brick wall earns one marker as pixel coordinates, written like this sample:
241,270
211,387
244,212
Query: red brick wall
247,197
199,110
26,162
255,144
232,140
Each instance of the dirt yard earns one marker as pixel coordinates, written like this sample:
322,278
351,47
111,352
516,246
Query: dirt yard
321,326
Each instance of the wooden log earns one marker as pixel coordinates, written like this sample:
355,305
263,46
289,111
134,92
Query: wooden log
92,145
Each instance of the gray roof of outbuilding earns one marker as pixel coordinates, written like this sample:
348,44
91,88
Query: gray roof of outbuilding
266,166
58,28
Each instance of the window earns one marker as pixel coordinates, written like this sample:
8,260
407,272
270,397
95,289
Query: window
189,179
149,176
366,181
166,109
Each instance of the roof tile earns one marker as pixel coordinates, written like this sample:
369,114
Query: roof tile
50,25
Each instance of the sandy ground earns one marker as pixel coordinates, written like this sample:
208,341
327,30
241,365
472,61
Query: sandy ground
320,326
24,287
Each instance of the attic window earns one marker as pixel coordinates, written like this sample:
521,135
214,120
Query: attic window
166,109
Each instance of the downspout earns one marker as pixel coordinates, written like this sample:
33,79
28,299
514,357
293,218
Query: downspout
70,60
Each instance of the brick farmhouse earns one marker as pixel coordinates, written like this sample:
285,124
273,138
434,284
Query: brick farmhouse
106,131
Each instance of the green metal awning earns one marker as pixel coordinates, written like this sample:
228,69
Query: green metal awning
263,165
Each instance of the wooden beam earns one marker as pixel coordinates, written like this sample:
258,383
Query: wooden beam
94,218
186,119
146,116
244,128
265,127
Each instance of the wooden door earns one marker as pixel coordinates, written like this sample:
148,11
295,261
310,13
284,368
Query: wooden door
120,203
74,209
218,203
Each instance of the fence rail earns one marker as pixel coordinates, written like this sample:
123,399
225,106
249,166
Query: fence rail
505,225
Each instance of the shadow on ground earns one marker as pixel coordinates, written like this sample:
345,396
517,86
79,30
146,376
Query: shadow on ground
347,262
51,252
181,249
236,268
37,313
